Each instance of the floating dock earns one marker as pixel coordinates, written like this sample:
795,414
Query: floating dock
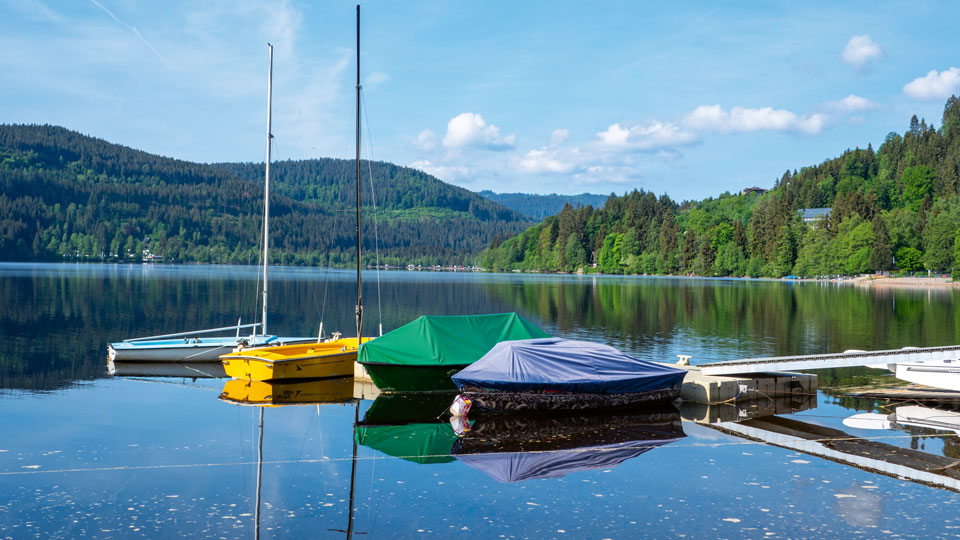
833,360
711,389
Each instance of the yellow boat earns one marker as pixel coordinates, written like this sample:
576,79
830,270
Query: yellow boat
333,358
275,394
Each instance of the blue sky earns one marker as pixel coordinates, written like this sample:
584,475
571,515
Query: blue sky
690,99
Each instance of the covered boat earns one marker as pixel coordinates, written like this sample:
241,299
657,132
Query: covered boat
557,374
423,354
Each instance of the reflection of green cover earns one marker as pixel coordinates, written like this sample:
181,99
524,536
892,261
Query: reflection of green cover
446,340
419,443
408,408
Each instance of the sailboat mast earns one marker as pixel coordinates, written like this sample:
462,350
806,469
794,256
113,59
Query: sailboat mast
266,189
359,309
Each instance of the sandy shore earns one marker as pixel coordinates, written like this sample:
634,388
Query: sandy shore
906,282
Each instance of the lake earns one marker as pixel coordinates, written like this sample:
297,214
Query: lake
86,454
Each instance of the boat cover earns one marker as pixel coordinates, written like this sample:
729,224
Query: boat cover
565,365
433,340
519,466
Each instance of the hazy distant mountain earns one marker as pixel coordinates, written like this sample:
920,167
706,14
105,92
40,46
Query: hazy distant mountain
541,206
65,195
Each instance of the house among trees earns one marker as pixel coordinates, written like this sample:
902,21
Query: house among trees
757,190
813,215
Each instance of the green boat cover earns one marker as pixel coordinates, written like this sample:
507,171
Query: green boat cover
419,443
433,340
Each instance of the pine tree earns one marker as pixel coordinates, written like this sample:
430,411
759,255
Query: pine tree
881,256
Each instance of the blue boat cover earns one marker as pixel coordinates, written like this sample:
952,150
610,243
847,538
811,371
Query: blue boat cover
518,466
565,365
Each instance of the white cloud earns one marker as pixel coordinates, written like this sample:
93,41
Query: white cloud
654,135
375,79
558,136
861,51
741,119
469,129
426,140
448,173
933,85
608,174
853,103
548,160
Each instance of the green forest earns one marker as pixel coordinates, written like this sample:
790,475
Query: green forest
896,208
67,196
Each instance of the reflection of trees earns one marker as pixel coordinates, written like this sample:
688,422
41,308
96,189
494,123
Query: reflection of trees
762,318
55,320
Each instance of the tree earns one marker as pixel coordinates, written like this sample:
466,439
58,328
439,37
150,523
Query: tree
909,259
784,253
881,256
688,251
917,185
575,254
608,261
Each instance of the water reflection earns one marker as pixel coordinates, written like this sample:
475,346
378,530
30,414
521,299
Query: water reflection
518,448
55,319
872,454
204,370
297,392
264,394
904,416
510,448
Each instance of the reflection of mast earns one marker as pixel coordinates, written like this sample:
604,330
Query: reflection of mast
256,519
353,478
353,472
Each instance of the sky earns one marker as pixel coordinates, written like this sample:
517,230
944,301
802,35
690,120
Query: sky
690,99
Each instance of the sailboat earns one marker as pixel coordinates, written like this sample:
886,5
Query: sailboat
332,358
190,346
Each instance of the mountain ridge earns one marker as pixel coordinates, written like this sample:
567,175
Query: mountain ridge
66,195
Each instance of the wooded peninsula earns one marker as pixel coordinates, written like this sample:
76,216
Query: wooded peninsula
896,208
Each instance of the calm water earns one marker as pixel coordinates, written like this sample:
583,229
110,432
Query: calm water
84,454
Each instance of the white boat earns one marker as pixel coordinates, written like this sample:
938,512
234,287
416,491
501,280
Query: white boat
190,346
944,374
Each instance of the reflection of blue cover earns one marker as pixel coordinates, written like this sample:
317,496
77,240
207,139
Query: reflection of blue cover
565,365
519,466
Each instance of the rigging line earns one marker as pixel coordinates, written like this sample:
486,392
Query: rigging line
323,461
296,467
373,199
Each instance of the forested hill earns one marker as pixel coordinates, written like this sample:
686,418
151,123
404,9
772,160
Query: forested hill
64,195
896,208
541,206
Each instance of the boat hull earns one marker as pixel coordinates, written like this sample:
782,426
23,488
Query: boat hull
497,401
189,350
396,378
936,374
305,361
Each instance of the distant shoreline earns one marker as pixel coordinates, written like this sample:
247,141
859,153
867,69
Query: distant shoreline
905,282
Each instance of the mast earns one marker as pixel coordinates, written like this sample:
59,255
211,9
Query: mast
266,189
359,309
